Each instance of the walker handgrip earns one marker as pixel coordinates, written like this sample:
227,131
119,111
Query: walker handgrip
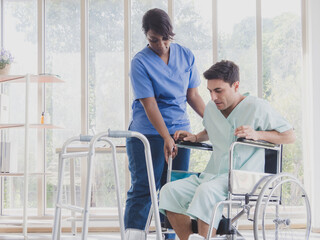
120,134
85,138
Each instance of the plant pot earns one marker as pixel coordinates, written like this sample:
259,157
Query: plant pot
5,70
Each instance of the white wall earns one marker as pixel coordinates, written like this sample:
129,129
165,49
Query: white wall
313,72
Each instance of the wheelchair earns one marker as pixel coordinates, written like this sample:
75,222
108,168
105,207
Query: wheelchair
274,202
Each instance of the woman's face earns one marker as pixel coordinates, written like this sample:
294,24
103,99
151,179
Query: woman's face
159,44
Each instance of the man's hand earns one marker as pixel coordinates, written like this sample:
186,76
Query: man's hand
170,148
185,136
246,132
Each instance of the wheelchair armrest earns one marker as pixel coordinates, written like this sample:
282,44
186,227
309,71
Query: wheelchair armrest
260,143
193,145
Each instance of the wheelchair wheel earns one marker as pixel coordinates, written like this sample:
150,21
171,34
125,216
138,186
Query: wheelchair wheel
282,210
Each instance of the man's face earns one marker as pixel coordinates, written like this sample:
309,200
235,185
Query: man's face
158,43
222,94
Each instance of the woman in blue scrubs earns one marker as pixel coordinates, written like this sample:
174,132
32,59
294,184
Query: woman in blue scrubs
164,78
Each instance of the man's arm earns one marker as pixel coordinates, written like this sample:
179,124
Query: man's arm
269,136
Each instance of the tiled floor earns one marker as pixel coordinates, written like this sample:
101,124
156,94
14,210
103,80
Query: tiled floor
110,236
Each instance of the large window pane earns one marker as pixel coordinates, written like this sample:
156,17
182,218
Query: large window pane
103,183
13,196
282,68
106,90
20,34
63,101
106,65
20,38
237,39
193,28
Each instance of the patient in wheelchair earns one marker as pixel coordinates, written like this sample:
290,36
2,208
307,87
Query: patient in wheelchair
228,116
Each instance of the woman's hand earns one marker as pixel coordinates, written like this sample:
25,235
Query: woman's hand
170,148
185,136
246,132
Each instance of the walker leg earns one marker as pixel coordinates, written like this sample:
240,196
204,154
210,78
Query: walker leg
88,199
73,196
57,225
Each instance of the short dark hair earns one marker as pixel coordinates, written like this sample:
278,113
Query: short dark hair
159,21
226,70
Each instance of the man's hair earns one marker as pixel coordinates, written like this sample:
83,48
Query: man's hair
158,21
225,70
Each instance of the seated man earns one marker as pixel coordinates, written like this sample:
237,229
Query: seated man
228,116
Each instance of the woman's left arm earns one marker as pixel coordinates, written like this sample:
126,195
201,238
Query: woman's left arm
195,101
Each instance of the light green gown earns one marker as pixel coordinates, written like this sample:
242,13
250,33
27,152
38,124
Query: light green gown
196,196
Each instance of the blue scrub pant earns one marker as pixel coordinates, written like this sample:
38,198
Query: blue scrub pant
138,197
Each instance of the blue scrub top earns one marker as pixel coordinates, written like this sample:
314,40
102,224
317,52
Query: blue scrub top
168,84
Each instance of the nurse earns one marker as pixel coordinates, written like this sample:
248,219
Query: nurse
164,79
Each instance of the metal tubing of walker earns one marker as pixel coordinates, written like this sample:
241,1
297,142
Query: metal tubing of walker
85,223
169,169
148,222
57,218
101,137
152,185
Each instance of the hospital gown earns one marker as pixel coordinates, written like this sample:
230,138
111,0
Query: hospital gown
196,196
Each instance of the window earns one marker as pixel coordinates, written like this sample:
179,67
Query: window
105,89
282,71
20,37
193,22
62,101
193,28
237,39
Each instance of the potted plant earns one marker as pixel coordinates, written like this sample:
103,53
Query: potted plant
5,62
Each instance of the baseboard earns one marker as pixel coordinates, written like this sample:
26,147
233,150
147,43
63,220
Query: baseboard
49,229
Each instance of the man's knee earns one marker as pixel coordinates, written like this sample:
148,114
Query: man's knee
166,189
203,189
214,190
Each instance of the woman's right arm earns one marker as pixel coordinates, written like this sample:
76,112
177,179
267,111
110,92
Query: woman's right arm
151,108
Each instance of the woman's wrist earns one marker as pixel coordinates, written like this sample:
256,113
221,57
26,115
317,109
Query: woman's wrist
195,135
167,137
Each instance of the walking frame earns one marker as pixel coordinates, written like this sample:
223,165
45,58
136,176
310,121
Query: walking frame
102,137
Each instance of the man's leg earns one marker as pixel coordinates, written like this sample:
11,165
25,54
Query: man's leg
181,224
180,162
206,196
203,229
